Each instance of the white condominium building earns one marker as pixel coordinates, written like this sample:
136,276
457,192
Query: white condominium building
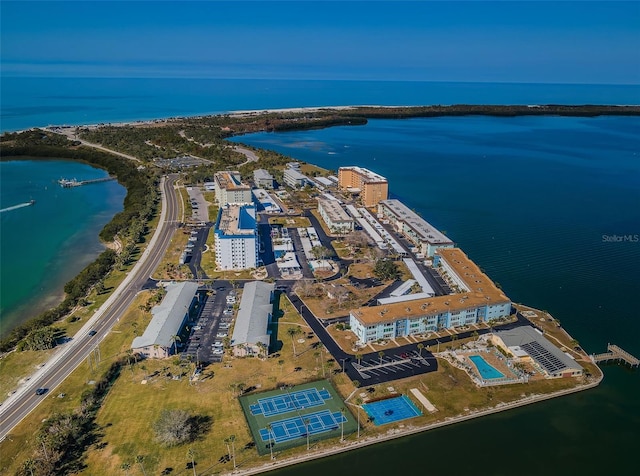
415,228
230,189
236,237
481,301
335,216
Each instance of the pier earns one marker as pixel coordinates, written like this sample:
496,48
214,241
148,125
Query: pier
617,354
69,183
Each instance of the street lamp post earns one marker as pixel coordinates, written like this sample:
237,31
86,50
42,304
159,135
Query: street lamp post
343,361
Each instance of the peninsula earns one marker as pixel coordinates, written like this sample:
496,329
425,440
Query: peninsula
292,312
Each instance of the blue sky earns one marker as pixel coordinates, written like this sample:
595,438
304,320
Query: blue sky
509,41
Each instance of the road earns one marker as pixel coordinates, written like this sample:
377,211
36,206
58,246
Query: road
73,353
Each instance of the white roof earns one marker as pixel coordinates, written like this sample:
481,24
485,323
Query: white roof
425,231
254,314
167,316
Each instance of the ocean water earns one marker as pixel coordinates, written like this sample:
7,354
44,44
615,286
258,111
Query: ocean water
30,102
45,245
549,207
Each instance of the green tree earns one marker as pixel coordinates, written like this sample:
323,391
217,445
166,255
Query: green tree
381,354
420,347
140,461
386,270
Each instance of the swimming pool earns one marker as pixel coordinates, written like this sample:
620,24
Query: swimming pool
487,372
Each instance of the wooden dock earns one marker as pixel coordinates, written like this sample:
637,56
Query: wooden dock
617,354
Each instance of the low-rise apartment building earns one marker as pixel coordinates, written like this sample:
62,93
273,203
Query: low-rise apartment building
413,227
481,302
263,179
294,179
159,339
335,216
230,189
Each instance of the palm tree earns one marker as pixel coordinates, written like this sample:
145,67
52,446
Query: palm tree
125,467
140,461
241,386
293,331
381,354
232,439
281,364
358,357
192,456
176,339
263,350
358,402
306,427
475,334
420,347
29,464
269,430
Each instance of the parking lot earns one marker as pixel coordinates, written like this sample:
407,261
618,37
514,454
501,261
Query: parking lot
393,367
206,341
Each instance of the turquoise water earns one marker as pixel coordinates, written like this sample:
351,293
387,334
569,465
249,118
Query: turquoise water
45,245
487,372
537,203
29,102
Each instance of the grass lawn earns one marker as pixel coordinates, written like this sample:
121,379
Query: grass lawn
290,222
169,267
131,407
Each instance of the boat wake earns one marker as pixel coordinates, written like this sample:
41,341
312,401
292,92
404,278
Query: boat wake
21,205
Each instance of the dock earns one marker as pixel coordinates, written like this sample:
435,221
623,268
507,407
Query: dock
70,183
617,354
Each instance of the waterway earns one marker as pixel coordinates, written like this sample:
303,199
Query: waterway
550,208
46,244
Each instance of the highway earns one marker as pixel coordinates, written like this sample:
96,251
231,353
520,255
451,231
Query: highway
73,353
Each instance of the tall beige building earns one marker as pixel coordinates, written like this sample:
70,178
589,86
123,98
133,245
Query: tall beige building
372,187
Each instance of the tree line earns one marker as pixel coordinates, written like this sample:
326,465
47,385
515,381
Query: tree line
140,205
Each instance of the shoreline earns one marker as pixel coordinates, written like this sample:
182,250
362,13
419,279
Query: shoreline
588,110
394,434
410,430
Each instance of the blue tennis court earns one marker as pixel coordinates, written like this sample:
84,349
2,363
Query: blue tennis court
292,428
390,410
287,402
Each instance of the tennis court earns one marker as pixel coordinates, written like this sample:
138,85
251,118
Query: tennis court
391,410
291,401
284,418
291,428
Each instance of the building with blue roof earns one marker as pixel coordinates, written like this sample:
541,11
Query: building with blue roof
236,237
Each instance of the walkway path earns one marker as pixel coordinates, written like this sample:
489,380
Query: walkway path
71,135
